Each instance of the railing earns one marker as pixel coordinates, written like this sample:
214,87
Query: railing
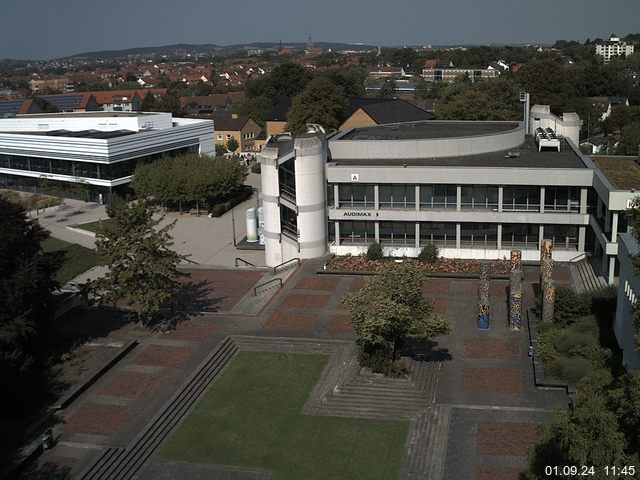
249,264
272,281
578,257
286,264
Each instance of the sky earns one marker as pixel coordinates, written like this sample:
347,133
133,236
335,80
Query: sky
44,29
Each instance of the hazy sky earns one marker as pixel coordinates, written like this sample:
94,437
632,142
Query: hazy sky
54,28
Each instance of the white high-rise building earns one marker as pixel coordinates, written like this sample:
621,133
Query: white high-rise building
613,48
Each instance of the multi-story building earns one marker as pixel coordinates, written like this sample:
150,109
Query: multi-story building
242,128
613,48
91,155
449,74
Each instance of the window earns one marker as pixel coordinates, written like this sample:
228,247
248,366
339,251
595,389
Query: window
479,235
219,137
479,197
356,195
398,233
438,196
563,237
562,199
330,198
524,197
357,232
520,235
397,196
442,234
289,222
228,137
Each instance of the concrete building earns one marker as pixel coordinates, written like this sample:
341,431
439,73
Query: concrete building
90,155
613,48
475,189
628,292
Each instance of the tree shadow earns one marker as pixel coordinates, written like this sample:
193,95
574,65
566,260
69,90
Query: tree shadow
193,298
425,351
45,471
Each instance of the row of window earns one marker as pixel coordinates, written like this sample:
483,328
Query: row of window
480,197
483,235
111,171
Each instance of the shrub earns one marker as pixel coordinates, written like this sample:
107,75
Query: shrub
234,199
374,252
380,362
569,369
546,342
572,343
429,254
570,305
255,168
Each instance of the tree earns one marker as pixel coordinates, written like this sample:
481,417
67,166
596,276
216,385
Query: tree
388,89
220,150
142,268
26,283
232,144
389,308
589,435
630,141
320,102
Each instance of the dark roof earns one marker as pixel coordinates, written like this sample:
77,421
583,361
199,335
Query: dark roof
354,103
426,130
396,111
527,156
66,101
229,123
16,107
279,112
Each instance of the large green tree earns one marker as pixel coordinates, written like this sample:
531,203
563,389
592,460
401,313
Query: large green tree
26,283
142,269
391,307
320,102
630,140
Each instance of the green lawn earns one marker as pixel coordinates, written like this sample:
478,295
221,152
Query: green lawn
78,259
94,226
251,417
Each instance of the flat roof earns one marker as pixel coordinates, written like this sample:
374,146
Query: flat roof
97,134
88,114
622,172
430,129
526,155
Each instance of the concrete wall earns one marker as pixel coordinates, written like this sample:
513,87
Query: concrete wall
568,126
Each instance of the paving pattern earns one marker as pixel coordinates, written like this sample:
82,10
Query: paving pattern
470,398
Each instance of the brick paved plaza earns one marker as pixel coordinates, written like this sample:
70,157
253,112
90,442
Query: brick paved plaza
483,397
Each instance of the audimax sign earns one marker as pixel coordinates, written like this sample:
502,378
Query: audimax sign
359,214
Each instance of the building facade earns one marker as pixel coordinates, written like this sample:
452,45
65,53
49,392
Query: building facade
474,189
613,48
628,292
90,155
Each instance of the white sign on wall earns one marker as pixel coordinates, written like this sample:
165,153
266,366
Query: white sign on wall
355,177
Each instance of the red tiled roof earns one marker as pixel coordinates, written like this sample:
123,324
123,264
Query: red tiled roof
106,97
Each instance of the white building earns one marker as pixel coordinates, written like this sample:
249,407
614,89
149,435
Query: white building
613,48
94,153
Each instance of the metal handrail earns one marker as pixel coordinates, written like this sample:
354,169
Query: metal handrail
583,254
238,259
255,289
275,269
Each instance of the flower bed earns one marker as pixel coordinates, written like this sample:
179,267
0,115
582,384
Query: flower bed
353,263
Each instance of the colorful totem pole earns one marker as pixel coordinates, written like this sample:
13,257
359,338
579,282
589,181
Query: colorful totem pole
548,300
515,310
546,270
483,297
516,259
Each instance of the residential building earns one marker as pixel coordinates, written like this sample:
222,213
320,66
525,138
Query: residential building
73,102
242,128
450,74
19,106
388,72
613,48
607,104
215,104
365,112
276,121
125,100
61,83
90,155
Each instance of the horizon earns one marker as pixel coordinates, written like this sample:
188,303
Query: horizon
198,22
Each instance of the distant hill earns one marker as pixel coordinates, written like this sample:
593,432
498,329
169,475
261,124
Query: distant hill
186,49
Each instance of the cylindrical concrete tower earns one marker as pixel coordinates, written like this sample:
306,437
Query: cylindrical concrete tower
311,194
270,192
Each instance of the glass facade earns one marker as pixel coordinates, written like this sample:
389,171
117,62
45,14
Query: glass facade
564,237
397,196
289,222
398,233
74,168
441,234
479,197
479,235
520,235
438,196
355,195
524,197
357,233
287,178
562,199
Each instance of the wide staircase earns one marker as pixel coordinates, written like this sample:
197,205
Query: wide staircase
116,463
591,280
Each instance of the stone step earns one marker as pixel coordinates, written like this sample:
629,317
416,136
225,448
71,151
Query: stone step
125,462
373,413
381,394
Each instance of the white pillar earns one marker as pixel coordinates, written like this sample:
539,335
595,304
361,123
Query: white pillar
583,201
500,197
458,234
417,194
612,269
582,232
499,236
336,226
459,197
417,235
614,228
540,236
376,197
541,199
